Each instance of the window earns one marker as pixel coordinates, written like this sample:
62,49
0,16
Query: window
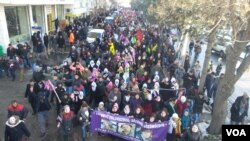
17,22
37,15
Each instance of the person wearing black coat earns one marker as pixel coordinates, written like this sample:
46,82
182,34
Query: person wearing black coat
61,43
42,109
40,47
157,104
239,109
189,81
31,95
193,134
60,92
46,40
15,130
186,64
138,114
198,106
162,115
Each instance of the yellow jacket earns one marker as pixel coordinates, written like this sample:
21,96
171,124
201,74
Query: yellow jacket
178,127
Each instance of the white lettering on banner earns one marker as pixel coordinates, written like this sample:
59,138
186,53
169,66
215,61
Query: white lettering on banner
137,122
119,119
236,132
153,126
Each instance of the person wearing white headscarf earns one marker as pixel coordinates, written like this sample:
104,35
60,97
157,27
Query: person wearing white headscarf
95,97
15,129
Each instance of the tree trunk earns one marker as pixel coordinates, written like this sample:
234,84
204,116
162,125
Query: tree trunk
220,106
210,44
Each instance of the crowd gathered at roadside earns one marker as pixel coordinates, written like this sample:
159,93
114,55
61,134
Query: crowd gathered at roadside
132,71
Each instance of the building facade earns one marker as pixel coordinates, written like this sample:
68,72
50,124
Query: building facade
19,19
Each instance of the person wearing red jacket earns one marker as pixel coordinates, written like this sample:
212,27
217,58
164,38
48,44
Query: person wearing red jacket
17,109
181,105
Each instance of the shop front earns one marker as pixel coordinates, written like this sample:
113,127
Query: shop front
17,23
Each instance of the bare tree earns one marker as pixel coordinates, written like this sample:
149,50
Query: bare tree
240,22
210,15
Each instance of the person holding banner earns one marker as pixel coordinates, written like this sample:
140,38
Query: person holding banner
127,111
138,114
163,115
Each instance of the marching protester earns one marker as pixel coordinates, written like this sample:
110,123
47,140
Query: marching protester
17,109
42,108
31,95
16,130
65,123
125,74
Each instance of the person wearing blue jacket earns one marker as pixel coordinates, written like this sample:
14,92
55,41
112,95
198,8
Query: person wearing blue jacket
185,120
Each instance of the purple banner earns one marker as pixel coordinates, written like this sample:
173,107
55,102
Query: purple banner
127,128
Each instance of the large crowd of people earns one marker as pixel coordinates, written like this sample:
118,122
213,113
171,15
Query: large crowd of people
133,71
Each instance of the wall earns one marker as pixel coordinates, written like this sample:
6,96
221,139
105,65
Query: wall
4,36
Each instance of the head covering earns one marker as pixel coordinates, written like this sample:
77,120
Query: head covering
117,82
13,120
183,99
92,63
175,115
195,128
73,47
173,80
80,95
101,103
157,77
93,86
105,70
145,85
66,109
98,63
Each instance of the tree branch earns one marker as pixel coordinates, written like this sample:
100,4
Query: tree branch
215,26
242,68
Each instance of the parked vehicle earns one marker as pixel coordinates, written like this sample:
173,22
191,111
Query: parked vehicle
109,20
94,34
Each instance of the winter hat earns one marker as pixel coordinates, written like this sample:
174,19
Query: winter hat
183,99
13,120
93,86
195,128
175,115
